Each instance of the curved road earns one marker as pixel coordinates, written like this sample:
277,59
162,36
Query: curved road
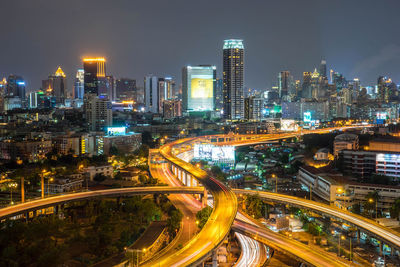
371,226
51,201
219,223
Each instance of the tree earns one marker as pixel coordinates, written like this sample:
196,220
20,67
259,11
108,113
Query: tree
174,222
356,208
99,177
218,173
254,206
203,215
395,209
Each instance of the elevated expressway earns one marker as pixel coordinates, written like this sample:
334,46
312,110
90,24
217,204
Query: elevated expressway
390,236
58,200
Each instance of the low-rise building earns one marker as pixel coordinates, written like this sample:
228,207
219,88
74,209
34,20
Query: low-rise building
62,185
31,150
345,141
342,192
92,171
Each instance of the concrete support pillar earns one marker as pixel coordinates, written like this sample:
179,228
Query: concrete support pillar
381,248
204,199
391,251
358,236
184,177
22,189
214,258
189,180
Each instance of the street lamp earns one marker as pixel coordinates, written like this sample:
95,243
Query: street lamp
11,186
48,185
137,254
371,200
276,182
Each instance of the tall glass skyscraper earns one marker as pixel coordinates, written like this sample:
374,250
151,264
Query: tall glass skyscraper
233,79
94,69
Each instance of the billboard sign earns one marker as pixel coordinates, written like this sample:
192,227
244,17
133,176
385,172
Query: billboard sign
116,131
288,125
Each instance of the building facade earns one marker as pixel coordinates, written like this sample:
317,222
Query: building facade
233,79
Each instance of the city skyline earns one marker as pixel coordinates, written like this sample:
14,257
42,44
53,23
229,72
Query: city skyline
312,32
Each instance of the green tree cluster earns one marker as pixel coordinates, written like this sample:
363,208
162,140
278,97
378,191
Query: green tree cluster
203,215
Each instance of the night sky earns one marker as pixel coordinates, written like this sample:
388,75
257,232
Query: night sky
359,38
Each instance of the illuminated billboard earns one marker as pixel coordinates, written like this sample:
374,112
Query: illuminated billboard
202,88
224,154
203,151
198,88
116,131
288,125
307,116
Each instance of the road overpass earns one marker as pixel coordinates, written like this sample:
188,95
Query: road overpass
220,221
388,235
53,201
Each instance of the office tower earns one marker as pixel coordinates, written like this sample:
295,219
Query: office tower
233,79
198,88
339,81
56,86
98,113
79,84
315,84
386,89
15,87
151,95
306,91
106,87
169,88
94,68
283,83
125,89
322,68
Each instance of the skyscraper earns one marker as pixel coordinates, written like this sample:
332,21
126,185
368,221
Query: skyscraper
233,79
306,91
322,68
283,83
16,87
94,68
56,86
198,88
386,89
125,89
151,95
79,84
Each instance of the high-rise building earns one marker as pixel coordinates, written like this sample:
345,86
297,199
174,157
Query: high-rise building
340,81
106,87
283,83
386,89
56,86
79,84
233,78
98,113
94,68
253,108
172,108
15,87
306,91
151,94
219,98
198,88
125,89
322,68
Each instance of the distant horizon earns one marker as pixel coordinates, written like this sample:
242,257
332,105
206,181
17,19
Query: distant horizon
160,38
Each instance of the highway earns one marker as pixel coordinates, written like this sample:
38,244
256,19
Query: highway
51,201
217,227
274,240
252,228
389,235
